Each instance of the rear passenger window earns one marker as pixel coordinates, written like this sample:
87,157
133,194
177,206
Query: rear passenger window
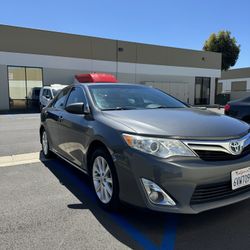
76,95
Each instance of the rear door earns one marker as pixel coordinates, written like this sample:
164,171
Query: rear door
74,129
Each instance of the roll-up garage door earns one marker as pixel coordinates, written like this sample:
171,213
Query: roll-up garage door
178,90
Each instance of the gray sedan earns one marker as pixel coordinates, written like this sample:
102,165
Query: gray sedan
144,147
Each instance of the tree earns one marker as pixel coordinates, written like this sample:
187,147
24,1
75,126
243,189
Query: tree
225,44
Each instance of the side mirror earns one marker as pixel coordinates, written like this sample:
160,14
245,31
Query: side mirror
77,108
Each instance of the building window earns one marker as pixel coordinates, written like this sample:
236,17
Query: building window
239,86
202,90
24,86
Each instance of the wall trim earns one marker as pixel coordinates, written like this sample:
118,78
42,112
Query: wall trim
58,62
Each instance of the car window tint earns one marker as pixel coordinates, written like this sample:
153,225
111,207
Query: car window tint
76,95
132,97
60,100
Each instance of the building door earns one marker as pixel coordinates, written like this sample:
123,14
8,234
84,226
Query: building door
178,90
202,90
24,87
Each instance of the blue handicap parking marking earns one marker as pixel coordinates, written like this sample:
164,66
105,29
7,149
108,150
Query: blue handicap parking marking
168,239
168,242
144,242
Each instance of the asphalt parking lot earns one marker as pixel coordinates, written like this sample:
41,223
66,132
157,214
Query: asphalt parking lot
50,205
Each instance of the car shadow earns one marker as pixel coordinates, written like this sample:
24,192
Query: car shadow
134,227
222,228
143,229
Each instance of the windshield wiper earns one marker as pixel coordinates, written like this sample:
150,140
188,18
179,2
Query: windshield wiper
159,107
164,107
118,108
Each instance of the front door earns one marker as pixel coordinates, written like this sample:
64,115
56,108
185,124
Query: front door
73,130
202,90
54,116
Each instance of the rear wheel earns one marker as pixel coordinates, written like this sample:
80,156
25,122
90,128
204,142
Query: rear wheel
104,179
45,145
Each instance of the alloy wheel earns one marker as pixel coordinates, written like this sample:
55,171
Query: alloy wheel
45,143
102,179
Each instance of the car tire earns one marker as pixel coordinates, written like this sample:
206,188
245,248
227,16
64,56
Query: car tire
45,144
104,179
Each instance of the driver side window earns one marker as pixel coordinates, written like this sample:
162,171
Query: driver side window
76,95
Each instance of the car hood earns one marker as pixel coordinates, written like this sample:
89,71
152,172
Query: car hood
180,123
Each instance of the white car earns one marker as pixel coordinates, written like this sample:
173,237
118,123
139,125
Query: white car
47,93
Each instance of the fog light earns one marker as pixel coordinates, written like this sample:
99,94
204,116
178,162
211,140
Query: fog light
156,195
153,196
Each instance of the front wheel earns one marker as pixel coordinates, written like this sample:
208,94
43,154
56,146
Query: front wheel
104,179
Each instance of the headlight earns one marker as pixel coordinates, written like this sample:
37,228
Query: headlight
163,148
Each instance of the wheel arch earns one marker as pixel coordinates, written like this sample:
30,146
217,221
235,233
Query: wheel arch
95,144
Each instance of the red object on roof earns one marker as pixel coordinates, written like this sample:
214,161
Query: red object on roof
95,77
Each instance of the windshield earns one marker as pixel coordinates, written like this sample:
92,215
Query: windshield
122,97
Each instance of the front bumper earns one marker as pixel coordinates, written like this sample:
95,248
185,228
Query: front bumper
178,177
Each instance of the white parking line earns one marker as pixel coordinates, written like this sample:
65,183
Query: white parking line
13,160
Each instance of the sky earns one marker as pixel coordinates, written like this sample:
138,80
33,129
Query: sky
174,23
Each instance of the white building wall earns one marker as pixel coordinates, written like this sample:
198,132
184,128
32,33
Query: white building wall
58,69
226,84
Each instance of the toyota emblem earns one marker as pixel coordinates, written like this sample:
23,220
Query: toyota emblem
235,147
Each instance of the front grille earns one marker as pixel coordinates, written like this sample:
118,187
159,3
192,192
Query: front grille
219,150
214,192
221,156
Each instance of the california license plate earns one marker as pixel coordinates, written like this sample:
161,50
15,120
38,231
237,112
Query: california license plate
240,178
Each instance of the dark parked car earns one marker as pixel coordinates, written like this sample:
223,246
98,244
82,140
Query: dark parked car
239,109
144,147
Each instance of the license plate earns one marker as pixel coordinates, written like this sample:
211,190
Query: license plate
240,178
